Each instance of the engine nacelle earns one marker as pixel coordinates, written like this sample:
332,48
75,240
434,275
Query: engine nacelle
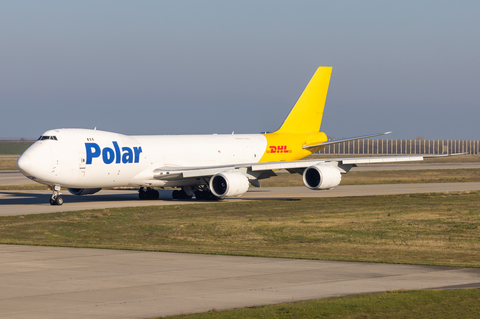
83,191
228,184
321,177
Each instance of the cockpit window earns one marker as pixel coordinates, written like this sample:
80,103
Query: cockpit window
45,137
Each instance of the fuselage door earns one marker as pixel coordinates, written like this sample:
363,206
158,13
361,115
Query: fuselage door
82,163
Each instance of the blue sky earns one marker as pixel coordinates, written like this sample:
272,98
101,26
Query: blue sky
188,67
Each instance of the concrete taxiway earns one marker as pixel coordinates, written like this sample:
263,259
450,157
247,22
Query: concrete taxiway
37,202
53,282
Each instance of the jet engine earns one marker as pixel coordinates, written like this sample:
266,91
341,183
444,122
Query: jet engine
321,177
228,184
83,191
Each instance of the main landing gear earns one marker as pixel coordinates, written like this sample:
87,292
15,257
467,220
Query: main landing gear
201,193
204,193
56,198
186,193
148,193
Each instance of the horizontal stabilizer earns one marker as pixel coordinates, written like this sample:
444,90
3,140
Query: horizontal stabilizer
343,140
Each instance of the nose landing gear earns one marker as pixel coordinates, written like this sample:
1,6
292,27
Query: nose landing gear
56,198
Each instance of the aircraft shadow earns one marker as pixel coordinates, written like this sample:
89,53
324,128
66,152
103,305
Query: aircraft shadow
35,198
42,197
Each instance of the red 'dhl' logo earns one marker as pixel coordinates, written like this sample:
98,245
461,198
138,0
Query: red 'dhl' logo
279,149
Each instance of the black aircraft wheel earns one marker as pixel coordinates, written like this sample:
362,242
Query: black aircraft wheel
208,195
176,194
59,200
184,195
149,193
52,201
152,194
199,195
142,195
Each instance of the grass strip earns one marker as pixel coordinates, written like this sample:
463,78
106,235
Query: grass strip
393,304
24,187
352,178
424,229
14,148
8,163
385,177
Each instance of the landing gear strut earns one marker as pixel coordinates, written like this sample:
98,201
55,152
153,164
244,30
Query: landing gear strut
184,193
56,198
148,193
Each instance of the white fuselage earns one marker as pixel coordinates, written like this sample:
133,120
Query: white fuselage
80,158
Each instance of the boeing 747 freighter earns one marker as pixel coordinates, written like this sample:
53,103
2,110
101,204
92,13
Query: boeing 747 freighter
204,166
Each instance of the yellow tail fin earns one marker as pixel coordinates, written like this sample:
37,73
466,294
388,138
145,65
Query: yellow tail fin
302,125
306,115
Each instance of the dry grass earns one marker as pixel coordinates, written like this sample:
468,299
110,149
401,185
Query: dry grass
8,163
392,304
385,177
25,187
429,229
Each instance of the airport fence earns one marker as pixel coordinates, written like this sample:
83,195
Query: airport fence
401,147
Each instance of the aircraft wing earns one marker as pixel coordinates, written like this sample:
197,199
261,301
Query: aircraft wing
265,170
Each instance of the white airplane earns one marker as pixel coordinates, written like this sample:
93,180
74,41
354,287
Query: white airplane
204,166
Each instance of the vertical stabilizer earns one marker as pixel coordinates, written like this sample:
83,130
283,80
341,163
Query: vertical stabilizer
306,115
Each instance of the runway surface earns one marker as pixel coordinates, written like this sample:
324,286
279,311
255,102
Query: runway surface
53,282
37,202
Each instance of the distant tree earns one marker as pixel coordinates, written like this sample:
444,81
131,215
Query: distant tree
420,138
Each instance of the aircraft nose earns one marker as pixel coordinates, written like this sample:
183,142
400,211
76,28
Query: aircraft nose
24,164
36,162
